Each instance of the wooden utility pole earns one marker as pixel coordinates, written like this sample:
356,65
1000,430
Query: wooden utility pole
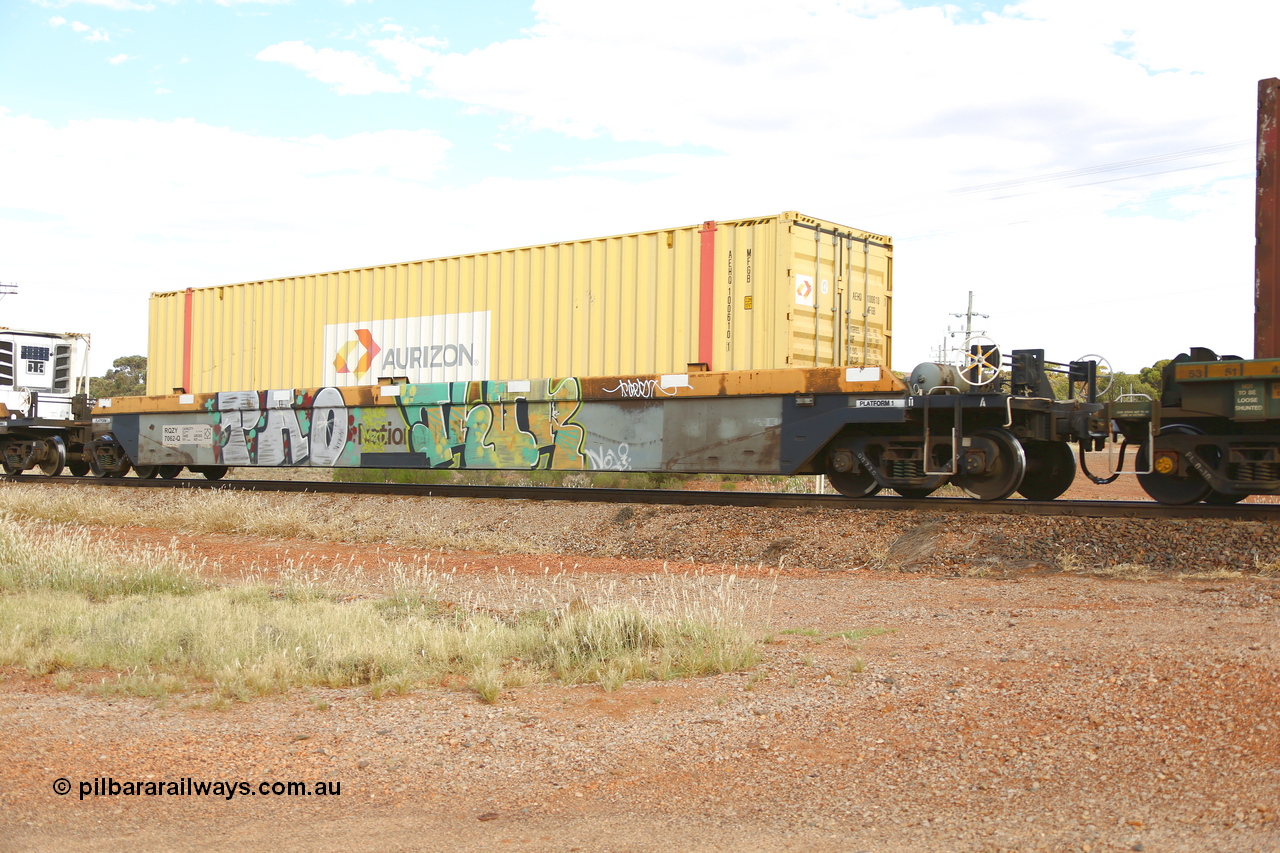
1266,253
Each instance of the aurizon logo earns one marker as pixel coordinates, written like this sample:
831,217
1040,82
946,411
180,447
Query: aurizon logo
364,338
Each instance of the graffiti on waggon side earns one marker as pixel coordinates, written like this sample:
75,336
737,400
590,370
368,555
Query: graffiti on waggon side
646,388
643,388
258,428
476,424
486,425
606,459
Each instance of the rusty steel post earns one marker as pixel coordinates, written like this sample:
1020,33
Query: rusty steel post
1266,274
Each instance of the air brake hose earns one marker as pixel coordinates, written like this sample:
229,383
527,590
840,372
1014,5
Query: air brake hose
1102,481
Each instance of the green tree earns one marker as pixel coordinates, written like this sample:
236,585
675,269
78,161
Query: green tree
1154,375
1146,381
126,378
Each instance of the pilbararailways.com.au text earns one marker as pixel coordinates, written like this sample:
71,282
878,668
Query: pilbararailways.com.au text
189,787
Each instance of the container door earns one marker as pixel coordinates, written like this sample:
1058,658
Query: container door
815,285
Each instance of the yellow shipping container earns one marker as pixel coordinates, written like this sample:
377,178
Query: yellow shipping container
748,294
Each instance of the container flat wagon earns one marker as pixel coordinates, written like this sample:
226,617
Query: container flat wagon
1214,434
863,427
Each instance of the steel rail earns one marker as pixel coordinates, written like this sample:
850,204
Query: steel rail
1078,509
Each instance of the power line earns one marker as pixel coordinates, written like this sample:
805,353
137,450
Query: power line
1145,297
971,224
1129,177
907,204
1108,167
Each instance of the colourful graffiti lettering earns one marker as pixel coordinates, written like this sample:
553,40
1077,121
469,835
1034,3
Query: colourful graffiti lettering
477,424
264,428
376,433
253,430
486,425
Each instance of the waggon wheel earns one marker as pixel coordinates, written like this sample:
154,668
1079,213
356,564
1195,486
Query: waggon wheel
11,470
55,457
1170,488
169,472
1051,469
121,467
1002,475
859,485
146,472
93,469
1217,498
211,472
77,467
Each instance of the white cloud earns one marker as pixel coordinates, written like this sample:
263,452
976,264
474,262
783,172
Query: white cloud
411,57
752,76
663,164
160,90
118,58
79,27
117,5
348,73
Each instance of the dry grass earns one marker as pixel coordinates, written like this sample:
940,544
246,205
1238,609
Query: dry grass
1267,568
1125,571
1075,564
282,516
66,559
908,552
70,610
1212,575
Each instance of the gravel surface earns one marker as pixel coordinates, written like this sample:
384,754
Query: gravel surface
996,702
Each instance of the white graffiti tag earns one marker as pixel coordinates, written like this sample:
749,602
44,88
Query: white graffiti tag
635,388
608,460
647,388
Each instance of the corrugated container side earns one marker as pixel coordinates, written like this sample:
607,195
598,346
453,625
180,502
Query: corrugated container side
785,291
844,317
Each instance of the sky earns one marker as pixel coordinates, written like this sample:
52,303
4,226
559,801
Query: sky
1084,167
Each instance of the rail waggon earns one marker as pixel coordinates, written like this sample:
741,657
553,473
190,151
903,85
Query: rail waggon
1214,434
752,346
44,407
863,427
